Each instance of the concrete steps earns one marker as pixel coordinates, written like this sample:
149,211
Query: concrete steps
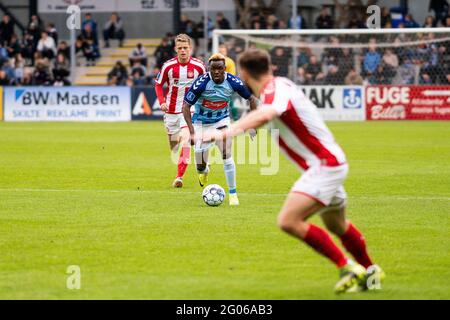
97,75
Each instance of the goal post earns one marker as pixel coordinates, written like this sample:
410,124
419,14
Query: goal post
417,58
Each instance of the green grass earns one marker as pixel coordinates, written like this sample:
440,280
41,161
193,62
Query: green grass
99,196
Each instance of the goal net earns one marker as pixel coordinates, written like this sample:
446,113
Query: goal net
400,70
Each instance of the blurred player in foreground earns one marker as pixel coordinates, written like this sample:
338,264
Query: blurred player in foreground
308,143
211,94
179,73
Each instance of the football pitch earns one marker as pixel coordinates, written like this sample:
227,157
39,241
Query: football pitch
99,196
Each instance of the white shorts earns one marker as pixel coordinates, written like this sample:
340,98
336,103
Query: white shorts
324,184
199,128
174,122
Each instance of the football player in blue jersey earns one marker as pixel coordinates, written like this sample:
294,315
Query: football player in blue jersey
211,94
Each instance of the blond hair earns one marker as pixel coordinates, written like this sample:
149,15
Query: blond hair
217,57
182,37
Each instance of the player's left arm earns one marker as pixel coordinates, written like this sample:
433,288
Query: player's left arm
252,120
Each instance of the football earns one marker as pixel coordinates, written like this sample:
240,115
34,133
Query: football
213,195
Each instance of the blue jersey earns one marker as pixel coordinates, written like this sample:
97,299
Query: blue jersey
211,99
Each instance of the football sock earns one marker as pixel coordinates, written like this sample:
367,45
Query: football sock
230,174
354,242
321,241
183,161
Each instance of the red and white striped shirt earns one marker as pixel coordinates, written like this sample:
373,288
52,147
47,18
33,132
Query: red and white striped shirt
179,77
303,135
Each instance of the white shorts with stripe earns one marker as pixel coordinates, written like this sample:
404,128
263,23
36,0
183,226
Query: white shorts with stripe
174,122
199,128
323,183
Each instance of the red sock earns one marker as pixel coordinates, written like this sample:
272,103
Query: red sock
321,241
185,155
354,242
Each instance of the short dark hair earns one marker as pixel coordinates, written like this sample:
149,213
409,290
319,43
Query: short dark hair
256,62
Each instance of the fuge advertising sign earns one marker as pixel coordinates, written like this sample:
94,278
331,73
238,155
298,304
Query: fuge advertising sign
408,102
67,104
338,103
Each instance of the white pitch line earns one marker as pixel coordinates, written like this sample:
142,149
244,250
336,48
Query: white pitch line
393,197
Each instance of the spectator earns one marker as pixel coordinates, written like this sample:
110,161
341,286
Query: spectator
46,46
282,24
27,79
303,56
3,54
386,20
230,65
425,78
137,78
35,29
440,8
331,55
138,55
164,52
61,71
429,22
390,58
355,23
8,67
14,46
118,75
406,73
39,58
19,67
114,30
258,22
6,29
28,47
346,61
63,49
88,20
222,22
447,22
272,22
410,22
371,60
280,62
384,74
88,34
324,20
139,68
52,32
313,71
90,52
353,78
433,66
334,76
186,25
301,76
300,23
41,75
4,80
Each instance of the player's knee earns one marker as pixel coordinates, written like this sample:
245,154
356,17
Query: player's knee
285,223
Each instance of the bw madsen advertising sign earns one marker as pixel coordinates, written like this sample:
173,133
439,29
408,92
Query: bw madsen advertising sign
67,104
338,103
408,102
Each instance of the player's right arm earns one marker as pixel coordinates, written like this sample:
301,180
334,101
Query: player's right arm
161,79
191,97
